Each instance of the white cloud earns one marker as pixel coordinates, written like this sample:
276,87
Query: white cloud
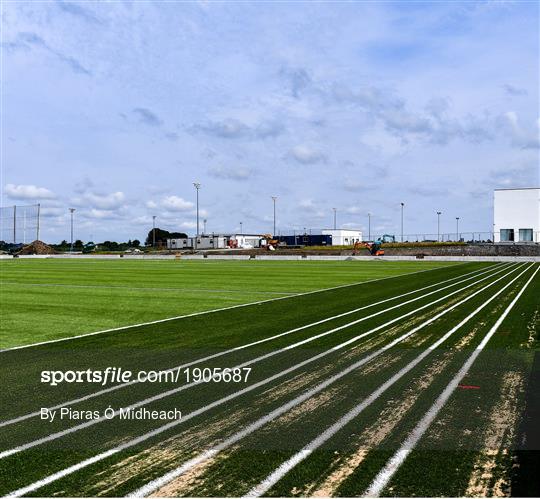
400,120
175,203
407,94
229,128
521,137
106,201
311,208
101,214
307,204
232,128
90,199
236,173
143,220
30,192
514,91
307,155
514,175
364,183
350,225
52,211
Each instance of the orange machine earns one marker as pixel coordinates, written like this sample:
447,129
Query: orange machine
271,243
373,247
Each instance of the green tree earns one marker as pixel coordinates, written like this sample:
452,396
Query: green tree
162,236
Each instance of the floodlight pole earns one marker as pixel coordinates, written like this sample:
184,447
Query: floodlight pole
241,229
14,224
37,228
154,231
197,186
204,226
274,201
457,229
335,218
369,226
71,210
402,206
439,225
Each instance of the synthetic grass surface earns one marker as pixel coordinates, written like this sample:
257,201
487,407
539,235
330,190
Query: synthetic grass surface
51,298
336,466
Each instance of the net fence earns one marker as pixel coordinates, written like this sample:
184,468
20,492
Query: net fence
19,224
505,235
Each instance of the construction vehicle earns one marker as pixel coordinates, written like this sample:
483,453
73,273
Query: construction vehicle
268,242
387,238
374,247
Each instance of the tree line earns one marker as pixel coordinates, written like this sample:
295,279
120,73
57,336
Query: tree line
157,238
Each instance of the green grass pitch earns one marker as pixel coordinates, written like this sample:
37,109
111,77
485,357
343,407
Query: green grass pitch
48,299
315,358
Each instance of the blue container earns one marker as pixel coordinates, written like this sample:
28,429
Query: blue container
306,240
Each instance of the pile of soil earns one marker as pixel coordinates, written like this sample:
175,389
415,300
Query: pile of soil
37,248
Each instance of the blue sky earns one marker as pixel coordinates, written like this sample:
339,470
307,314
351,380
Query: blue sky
116,108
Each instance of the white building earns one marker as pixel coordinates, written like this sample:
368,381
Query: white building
246,240
516,215
203,242
216,241
343,237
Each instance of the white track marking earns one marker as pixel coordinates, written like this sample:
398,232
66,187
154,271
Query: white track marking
245,364
297,458
134,288
385,475
159,482
204,312
241,347
168,393
76,467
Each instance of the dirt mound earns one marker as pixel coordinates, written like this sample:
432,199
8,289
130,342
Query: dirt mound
37,248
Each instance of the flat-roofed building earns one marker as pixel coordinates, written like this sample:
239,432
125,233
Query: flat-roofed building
516,215
343,237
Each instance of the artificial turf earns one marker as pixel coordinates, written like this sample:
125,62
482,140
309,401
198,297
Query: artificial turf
172,343
47,299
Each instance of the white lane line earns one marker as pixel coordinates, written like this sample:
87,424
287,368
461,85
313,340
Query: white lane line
159,482
204,312
134,288
241,347
159,396
385,475
76,467
306,451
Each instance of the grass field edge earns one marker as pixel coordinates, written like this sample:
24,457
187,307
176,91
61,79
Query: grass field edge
221,309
